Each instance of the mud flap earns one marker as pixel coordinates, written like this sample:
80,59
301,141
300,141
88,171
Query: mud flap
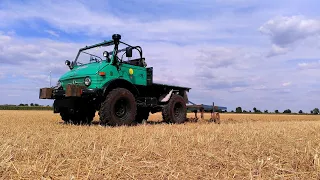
167,97
185,96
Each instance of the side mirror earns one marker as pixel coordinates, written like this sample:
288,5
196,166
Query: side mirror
128,52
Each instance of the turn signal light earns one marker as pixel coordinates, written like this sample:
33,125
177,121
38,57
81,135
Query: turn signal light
102,73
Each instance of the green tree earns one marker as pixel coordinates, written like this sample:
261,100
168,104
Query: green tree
238,110
287,111
254,109
266,111
300,112
31,104
315,111
276,111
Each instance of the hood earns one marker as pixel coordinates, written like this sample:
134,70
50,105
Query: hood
81,71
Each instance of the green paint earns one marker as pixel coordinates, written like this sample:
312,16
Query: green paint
92,69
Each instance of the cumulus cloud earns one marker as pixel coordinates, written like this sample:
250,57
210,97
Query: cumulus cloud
286,31
75,17
219,55
277,50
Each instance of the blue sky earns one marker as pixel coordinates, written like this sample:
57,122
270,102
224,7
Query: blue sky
247,53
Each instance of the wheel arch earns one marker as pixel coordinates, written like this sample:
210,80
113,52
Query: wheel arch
120,83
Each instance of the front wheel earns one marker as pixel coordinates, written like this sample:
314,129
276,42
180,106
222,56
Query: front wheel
175,111
119,108
80,117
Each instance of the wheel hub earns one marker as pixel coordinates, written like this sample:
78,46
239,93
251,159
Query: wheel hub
177,109
121,108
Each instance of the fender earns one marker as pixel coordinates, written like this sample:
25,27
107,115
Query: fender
168,96
120,83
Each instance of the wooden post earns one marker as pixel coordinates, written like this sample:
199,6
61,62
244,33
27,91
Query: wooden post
202,111
195,114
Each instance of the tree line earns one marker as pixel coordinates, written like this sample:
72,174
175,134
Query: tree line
35,106
287,111
31,106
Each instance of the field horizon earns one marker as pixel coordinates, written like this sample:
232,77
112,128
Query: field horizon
36,144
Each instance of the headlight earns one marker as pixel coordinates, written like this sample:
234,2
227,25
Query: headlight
87,81
105,54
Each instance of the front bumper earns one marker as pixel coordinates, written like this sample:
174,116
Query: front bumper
71,91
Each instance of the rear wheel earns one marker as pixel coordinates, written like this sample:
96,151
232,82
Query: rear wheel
119,108
175,111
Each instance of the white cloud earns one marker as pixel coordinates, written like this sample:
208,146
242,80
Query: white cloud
277,50
287,31
53,33
286,84
75,17
311,65
220,56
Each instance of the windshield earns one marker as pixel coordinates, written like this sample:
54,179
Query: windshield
96,54
93,55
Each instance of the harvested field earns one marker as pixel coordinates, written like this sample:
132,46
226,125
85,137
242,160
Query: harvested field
36,144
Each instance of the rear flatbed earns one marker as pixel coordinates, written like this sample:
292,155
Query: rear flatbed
170,86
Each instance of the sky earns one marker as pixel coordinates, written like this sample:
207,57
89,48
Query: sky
247,53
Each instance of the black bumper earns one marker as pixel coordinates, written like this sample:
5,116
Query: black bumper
72,98
84,93
70,92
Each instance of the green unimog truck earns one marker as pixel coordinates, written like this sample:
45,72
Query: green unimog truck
122,91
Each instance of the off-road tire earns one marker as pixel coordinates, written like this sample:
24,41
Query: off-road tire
175,111
65,117
142,114
88,116
81,117
108,111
